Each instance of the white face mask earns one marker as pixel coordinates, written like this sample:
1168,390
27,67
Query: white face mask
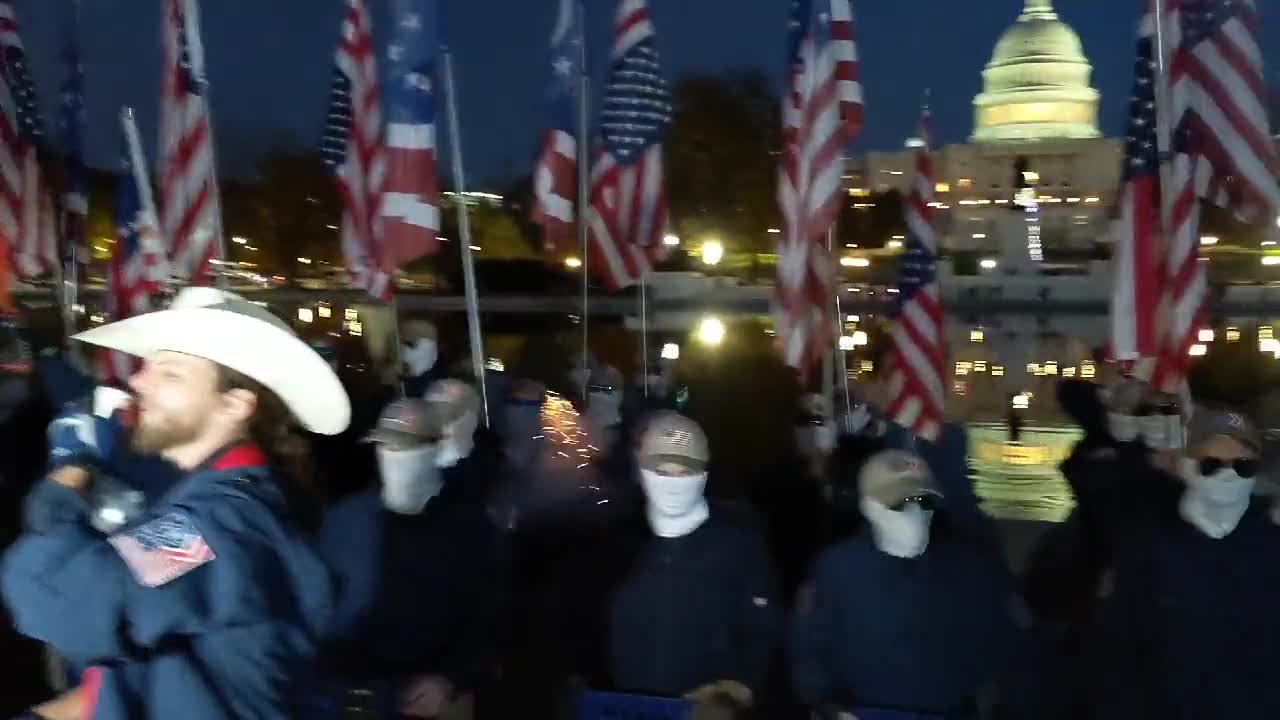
676,504
458,440
1123,427
900,533
410,478
420,356
1214,504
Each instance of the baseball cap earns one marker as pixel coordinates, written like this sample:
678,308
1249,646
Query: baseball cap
1207,422
674,438
408,422
891,476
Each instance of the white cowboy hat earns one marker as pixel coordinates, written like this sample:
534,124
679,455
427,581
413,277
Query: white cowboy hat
227,329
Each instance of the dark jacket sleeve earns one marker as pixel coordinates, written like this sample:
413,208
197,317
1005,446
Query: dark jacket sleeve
809,649
760,620
1126,659
486,628
94,597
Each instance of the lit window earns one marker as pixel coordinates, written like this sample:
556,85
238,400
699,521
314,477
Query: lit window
964,183
942,188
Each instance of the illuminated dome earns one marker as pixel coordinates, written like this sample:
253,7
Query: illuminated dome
1036,86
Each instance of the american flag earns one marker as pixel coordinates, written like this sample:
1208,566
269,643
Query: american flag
27,219
628,214
138,268
1222,152
162,550
189,205
555,178
822,112
353,147
411,200
1137,258
75,195
917,365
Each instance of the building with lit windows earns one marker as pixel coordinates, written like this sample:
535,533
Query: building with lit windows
1037,104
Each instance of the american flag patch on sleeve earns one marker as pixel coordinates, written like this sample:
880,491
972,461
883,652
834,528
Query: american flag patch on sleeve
163,549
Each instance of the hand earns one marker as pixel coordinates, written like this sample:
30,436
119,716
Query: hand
426,696
727,692
80,439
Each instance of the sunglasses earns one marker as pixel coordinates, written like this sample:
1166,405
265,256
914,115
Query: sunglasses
928,503
1244,467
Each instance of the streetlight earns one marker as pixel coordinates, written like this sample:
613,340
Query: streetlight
855,262
572,263
1208,240
987,264
711,331
671,240
240,240
304,261
670,351
712,252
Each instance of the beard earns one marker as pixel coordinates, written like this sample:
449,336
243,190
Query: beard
156,437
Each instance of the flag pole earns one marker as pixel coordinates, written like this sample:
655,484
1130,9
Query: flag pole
644,330
584,189
464,229
1164,143
195,45
844,357
138,160
70,266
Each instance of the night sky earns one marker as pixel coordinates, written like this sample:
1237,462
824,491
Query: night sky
270,63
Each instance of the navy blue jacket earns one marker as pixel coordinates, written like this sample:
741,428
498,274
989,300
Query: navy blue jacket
923,635
420,594
1191,629
204,609
695,610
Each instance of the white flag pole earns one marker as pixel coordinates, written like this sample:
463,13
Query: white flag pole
584,190
464,229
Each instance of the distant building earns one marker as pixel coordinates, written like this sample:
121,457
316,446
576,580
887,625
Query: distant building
1037,104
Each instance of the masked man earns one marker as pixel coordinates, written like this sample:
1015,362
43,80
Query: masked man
207,605
1188,626
422,576
908,618
697,614
420,354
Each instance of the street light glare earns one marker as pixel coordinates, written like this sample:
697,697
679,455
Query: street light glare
572,263
712,252
240,240
711,331
671,240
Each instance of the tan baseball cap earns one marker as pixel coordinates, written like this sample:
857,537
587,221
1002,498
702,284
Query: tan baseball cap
892,476
408,422
672,438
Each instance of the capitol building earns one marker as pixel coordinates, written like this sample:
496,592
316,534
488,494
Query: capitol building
1038,106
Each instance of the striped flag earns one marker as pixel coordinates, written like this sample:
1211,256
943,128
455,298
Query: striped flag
917,365
27,218
628,214
1222,153
75,195
138,269
189,205
1137,241
411,200
555,178
822,112
353,147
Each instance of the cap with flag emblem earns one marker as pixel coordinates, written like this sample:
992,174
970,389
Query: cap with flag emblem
673,439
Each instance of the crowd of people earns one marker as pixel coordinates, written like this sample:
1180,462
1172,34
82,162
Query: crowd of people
244,534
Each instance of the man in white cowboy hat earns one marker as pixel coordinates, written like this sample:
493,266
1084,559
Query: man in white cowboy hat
207,605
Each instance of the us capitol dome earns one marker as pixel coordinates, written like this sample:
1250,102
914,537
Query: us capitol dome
1036,86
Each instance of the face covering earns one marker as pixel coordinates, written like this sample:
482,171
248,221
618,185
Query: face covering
410,478
1214,504
900,533
1124,428
420,356
676,504
459,438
